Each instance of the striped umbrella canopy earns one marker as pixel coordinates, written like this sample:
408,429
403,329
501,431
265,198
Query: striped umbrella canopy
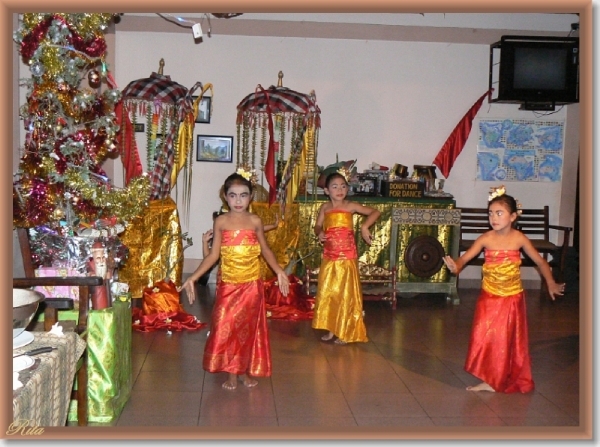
279,100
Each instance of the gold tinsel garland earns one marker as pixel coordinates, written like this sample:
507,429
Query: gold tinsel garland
238,145
127,204
86,24
282,123
254,128
245,137
150,132
263,147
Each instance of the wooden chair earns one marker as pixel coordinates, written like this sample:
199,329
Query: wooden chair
23,265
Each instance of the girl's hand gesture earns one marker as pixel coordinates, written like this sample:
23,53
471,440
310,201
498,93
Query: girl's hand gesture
188,286
322,237
366,235
555,289
450,264
206,237
284,283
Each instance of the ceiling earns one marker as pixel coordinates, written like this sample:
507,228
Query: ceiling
467,28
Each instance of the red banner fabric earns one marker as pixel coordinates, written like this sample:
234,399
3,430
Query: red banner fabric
456,141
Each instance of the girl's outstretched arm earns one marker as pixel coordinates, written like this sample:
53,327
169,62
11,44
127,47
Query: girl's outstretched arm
456,266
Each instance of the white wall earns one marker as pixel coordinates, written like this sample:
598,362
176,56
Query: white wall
383,101
388,102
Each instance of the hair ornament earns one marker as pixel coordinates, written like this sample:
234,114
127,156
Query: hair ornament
345,172
519,208
496,192
248,174
500,191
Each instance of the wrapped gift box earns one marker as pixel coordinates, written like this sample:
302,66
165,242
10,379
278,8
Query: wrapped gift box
58,291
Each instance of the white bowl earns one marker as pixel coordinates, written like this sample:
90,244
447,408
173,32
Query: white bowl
25,305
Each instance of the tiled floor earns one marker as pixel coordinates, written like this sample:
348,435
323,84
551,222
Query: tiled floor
410,373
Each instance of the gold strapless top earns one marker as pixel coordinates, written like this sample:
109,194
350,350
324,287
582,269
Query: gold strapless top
340,242
502,273
239,256
338,219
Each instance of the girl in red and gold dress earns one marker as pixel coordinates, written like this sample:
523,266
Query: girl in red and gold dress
338,302
238,342
499,346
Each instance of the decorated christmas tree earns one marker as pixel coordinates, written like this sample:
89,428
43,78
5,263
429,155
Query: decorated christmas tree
70,131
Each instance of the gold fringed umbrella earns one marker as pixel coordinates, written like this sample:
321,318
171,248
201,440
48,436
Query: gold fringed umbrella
272,114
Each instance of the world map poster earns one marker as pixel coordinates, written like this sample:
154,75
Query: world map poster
520,150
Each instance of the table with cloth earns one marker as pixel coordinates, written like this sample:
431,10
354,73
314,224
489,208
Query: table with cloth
43,400
296,232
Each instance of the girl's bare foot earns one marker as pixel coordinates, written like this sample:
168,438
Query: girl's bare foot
231,383
481,387
248,381
327,337
339,341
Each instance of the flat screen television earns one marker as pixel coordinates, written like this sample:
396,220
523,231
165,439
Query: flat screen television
537,72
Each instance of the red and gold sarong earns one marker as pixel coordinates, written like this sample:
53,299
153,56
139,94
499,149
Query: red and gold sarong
238,342
499,346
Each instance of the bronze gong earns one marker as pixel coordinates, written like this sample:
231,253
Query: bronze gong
423,256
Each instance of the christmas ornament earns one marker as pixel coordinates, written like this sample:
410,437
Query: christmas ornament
94,79
36,69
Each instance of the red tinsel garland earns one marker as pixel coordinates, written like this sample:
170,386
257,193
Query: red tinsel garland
93,47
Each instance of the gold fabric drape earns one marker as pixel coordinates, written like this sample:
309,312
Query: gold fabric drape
154,242
283,240
379,251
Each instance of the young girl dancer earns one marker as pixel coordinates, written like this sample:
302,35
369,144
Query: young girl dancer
499,346
338,303
238,341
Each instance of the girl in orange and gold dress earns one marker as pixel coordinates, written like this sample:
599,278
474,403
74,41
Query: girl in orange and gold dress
338,303
238,341
499,346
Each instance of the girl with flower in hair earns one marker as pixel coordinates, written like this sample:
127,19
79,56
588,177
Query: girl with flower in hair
238,341
338,302
498,351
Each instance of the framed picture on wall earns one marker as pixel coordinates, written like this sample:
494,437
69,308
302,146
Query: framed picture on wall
214,148
203,109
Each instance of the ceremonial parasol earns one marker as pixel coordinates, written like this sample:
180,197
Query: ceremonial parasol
273,112
170,114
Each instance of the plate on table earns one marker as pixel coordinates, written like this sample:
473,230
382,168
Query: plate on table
22,362
23,339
